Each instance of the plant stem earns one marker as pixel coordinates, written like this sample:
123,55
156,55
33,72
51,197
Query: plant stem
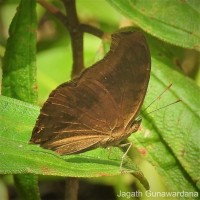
71,191
76,31
76,35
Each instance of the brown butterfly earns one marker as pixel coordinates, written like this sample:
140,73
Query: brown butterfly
99,108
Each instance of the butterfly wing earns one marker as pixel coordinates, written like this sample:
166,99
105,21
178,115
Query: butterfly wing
124,73
74,118
80,114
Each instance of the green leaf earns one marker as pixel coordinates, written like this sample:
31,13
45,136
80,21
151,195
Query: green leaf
19,70
17,156
19,74
176,22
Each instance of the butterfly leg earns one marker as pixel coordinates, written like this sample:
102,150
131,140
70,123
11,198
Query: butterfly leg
125,154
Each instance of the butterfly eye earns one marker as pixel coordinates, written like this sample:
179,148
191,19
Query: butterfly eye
134,125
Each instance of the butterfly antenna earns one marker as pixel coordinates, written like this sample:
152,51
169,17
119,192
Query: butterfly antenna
164,106
168,87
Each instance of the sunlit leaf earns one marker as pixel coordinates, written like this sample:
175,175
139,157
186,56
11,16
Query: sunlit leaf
176,22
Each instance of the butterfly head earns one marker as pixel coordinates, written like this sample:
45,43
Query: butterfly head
134,125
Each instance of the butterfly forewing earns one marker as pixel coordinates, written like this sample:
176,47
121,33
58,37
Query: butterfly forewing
95,109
